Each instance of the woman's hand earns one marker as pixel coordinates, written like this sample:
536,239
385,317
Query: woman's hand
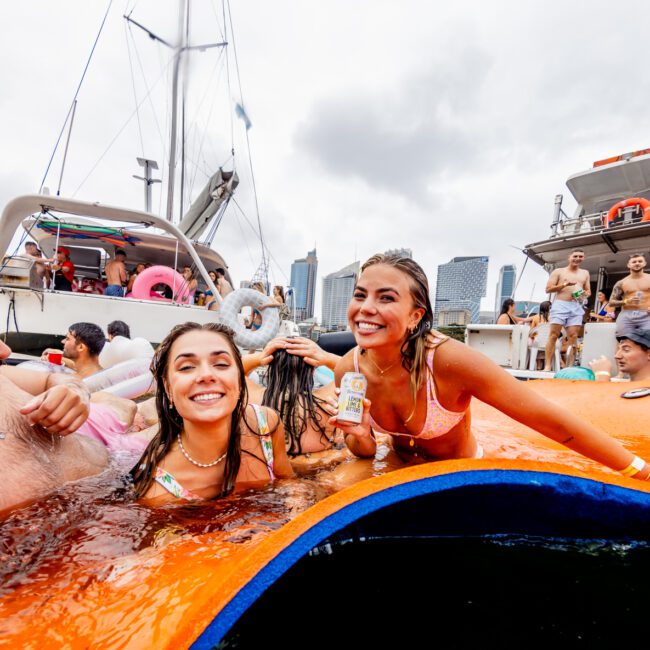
310,351
359,437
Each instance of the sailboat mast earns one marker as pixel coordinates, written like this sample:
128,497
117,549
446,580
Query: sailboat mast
174,121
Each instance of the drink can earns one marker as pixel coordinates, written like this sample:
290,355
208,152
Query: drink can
578,293
353,392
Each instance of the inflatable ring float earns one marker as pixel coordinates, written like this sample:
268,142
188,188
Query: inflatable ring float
612,215
244,337
161,275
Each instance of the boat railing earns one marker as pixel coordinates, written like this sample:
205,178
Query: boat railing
595,222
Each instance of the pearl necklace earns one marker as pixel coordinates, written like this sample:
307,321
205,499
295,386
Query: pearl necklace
195,462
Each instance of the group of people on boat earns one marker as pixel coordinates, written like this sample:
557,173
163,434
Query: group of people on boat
209,430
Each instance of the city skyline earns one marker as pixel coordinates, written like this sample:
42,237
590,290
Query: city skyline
505,286
303,283
338,288
460,285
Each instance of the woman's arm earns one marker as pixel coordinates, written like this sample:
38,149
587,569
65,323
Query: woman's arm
311,352
481,378
281,465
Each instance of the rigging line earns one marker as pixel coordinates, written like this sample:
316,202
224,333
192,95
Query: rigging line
248,144
523,268
252,227
135,95
67,117
214,95
144,78
112,142
244,238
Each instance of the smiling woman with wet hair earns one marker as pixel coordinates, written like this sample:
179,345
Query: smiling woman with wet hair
210,440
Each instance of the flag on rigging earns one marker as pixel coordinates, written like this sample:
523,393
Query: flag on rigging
241,113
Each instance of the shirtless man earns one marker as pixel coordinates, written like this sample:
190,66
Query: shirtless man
38,450
116,275
81,347
222,284
632,295
42,270
567,310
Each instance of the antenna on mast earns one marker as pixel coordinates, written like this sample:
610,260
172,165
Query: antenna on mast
148,165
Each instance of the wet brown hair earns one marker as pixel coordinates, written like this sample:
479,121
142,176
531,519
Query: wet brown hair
416,343
171,423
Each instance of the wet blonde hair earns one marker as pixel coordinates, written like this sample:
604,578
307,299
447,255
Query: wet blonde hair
417,342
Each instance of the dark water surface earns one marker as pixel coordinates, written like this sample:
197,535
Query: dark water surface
499,592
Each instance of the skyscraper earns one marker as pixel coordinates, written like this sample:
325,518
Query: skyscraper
337,291
505,285
460,286
303,281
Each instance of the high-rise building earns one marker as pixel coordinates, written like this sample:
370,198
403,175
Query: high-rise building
505,285
402,252
460,286
337,290
303,281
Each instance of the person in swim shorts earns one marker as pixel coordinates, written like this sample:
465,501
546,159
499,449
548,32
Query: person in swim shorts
421,383
571,284
632,295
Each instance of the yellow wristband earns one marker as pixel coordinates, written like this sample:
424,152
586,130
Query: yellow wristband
634,467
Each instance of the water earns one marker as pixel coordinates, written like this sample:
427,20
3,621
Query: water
505,592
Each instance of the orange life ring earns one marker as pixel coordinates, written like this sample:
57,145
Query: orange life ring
613,211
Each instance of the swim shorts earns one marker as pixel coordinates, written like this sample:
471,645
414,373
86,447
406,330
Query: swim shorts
567,313
114,290
631,319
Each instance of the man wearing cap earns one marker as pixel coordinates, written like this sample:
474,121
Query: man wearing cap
63,270
632,295
632,357
116,276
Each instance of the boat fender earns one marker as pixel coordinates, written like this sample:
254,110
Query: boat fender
244,337
120,372
122,349
613,211
161,275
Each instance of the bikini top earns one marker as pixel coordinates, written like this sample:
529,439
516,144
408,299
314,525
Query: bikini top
167,481
439,420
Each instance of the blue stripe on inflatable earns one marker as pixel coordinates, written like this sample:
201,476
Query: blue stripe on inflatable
560,484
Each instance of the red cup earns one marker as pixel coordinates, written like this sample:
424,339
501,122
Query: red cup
55,357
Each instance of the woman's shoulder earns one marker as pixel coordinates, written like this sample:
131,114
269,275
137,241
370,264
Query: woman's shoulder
256,415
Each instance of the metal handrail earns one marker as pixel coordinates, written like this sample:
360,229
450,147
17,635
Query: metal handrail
594,222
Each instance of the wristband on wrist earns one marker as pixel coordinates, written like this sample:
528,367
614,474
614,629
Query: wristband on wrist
634,467
603,372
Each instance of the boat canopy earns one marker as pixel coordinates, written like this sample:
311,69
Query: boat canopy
597,189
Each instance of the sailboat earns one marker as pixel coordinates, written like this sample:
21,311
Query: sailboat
34,316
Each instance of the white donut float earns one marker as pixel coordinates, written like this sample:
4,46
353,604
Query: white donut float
161,275
244,337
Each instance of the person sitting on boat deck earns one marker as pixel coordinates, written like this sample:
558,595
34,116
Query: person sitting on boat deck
421,383
118,328
632,357
39,451
508,316
210,439
571,284
632,295
222,284
188,288
289,390
42,270
134,274
210,301
116,275
63,270
606,313
81,347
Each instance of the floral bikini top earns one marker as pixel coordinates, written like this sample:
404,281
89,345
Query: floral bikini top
167,481
439,420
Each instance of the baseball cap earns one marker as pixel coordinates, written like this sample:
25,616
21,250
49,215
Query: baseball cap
642,337
64,250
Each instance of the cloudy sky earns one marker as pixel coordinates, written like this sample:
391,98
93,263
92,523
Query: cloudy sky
444,127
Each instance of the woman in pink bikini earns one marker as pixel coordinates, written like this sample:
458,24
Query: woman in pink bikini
420,383
210,440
